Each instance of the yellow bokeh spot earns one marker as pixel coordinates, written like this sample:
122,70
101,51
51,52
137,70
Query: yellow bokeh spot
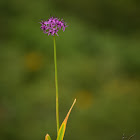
119,87
84,99
33,61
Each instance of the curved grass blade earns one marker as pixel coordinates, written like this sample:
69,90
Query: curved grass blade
47,137
62,129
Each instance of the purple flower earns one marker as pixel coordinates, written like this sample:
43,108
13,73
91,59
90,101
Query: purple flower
52,26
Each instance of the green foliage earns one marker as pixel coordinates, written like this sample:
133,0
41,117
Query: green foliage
61,132
63,125
47,137
98,62
62,128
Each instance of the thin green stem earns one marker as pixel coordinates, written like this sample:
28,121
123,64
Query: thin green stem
56,86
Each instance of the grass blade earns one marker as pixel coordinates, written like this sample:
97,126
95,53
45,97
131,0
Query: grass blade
62,129
47,137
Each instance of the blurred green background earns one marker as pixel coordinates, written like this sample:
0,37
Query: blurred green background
98,63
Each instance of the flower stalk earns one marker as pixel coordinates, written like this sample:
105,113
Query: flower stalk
51,27
56,86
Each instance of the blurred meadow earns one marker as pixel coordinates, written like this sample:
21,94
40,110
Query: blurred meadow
98,63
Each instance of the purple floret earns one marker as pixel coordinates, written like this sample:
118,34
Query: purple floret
52,26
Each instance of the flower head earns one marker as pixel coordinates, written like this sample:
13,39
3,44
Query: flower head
52,26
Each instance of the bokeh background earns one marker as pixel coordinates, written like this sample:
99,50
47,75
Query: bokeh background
98,63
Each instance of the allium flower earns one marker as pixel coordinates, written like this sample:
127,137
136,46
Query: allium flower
53,25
